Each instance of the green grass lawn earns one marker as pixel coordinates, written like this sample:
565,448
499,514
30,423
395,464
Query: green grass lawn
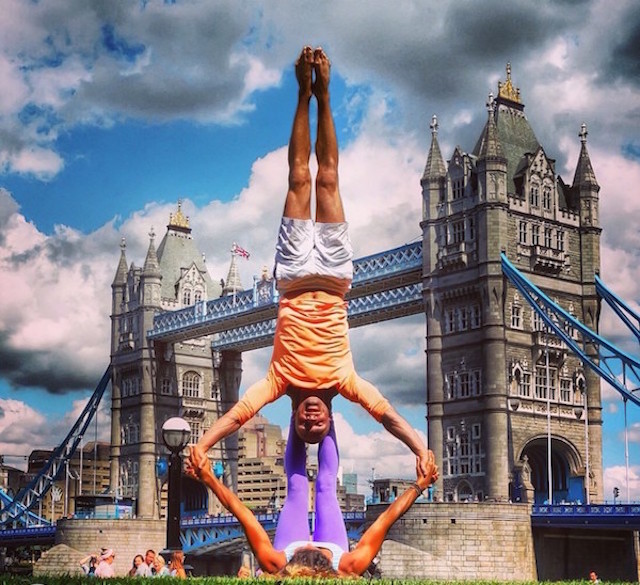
59,580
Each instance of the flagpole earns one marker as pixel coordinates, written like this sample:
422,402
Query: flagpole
549,465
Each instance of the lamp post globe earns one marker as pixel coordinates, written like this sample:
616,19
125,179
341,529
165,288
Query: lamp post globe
176,433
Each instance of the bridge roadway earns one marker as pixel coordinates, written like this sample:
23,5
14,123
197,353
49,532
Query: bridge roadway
200,535
385,286
223,534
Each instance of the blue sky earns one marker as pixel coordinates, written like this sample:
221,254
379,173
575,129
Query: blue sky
111,112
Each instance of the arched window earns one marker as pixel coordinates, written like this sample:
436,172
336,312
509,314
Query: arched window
546,197
465,492
197,296
534,195
191,382
186,297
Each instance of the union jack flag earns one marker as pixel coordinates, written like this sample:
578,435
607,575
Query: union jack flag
238,251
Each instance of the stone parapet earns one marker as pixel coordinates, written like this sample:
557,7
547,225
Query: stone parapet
126,537
466,541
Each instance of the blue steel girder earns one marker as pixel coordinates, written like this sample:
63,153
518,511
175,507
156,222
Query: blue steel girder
17,510
28,516
619,369
626,314
251,311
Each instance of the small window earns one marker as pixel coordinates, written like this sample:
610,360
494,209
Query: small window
165,386
475,431
565,390
546,197
451,321
534,195
522,232
516,317
535,235
463,319
476,316
458,231
458,188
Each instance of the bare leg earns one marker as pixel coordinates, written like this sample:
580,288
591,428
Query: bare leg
298,203
329,204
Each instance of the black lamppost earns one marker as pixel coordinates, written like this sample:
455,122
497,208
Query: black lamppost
175,434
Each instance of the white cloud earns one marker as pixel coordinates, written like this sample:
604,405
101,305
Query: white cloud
376,454
203,62
616,476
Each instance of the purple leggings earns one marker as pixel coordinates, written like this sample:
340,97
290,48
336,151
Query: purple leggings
293,522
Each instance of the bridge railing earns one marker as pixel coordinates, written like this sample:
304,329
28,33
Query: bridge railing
585,509
264,294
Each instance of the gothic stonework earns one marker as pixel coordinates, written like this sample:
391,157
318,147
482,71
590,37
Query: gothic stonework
493,371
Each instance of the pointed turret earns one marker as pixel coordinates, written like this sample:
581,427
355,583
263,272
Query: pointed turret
490,146
118,295
151,278
584,177
585,186
512,131
233,284
184,271
151,266
121,272
492,166
435,168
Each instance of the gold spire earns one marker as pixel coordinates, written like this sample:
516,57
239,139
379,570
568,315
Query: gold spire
178,219
506,89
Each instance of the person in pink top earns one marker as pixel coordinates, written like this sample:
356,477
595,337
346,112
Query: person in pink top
105,566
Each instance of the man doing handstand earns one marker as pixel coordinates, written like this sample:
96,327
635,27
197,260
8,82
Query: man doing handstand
311,359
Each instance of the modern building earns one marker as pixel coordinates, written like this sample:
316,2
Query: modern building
10,478
500,388
388,489
350,482
262,483
87,474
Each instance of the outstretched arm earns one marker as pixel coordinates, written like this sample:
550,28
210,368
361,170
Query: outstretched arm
270,560
256,396
401,429
370,398
357,561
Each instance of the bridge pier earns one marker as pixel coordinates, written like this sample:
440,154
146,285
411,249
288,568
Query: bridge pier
230,378
564,554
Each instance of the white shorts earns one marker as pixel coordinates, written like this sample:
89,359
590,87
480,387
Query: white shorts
307,250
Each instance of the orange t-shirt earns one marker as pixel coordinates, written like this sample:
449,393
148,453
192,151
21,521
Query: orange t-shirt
311,352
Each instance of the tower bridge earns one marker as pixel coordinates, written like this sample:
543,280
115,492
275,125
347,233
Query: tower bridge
385,286
506,274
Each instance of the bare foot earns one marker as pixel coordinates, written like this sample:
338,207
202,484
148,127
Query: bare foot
304,70
322,67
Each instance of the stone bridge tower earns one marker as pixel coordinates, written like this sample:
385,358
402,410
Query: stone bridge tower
495,376
152,382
